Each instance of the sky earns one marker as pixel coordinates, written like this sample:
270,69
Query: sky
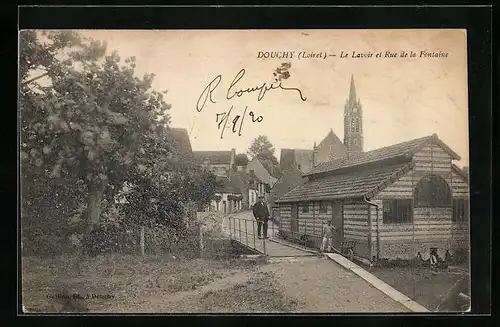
402,97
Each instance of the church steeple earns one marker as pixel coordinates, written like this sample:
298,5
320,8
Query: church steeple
352,92
353,122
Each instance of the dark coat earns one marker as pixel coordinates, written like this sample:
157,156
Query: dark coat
260,211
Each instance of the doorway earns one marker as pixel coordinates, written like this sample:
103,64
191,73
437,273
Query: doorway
338,223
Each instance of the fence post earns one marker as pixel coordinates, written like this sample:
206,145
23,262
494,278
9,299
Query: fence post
239,228
200,231
246,232
142,241
253,233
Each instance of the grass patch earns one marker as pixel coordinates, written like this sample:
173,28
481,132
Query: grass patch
262,293
50,284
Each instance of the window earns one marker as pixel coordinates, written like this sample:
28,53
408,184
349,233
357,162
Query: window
432,191
305,207
397,211
355,141
460,210
323,207
353,125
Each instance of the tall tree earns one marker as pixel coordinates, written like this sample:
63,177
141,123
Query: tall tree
263,149
86,116
241,159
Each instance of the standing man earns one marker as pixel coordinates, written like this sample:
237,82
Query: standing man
261,214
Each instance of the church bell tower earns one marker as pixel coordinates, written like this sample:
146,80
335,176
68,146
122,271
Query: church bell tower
353,122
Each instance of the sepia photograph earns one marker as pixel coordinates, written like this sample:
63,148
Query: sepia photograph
244,171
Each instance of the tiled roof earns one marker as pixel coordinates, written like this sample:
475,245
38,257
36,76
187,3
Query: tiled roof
179,138
350,185
291,177
225,185
275,171
215,157
406,149
287,158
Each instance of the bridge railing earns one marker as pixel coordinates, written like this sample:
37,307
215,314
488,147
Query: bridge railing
246,232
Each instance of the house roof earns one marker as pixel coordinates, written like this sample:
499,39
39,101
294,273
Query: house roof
287,158
331,138
350,185
301,157
215,157
225,185
241,179
460,172
273,170
179,139
291,177
405,149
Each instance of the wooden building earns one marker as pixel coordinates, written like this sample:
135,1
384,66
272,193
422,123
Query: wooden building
393,202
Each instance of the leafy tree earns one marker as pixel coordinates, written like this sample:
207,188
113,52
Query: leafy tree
87,117
263,149
241,159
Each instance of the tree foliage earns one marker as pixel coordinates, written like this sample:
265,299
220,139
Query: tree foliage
241,159
263,149
92,119
88,125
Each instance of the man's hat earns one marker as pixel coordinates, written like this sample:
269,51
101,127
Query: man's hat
261,196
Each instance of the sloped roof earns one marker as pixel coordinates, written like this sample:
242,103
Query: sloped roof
351,185
331,137
215,157
241,179
291,178
405,149
460,172
287,158
225,185
179,138
304,157
273,170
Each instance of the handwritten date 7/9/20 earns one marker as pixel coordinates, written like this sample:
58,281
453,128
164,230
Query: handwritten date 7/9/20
237,122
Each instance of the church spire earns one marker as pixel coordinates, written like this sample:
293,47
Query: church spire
352,92
353,122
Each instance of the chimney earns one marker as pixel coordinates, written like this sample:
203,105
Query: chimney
233,158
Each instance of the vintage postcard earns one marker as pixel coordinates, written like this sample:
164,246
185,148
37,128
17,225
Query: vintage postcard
214,171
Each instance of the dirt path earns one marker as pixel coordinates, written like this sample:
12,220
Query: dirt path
324,286
181,302
312,284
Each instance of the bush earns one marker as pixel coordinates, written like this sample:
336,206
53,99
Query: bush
109,238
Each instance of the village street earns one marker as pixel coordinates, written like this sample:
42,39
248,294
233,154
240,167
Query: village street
321,284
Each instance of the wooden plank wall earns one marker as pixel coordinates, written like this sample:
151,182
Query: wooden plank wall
285,216
430,225
356,227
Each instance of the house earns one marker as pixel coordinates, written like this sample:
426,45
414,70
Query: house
263,174
393,202
300,158
290,178
248,184
228,197
221,163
